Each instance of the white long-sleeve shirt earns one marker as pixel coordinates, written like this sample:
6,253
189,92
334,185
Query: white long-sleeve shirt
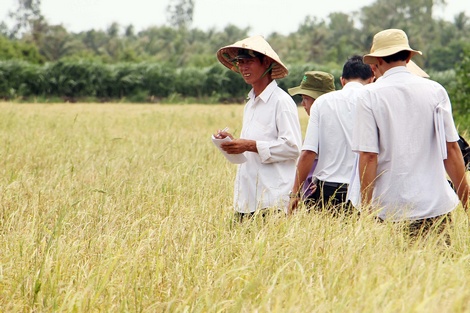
264,181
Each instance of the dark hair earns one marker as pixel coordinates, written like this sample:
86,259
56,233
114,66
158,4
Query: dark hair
250,53
356,68
399,56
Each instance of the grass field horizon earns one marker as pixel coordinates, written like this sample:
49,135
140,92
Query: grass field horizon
128,208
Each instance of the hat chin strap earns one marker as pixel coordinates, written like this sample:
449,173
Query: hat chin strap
268,69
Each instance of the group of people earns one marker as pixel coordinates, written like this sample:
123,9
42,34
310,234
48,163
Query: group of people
385,144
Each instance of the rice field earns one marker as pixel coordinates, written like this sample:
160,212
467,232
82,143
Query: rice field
127,208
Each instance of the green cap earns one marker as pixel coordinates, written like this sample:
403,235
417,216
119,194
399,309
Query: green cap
314,84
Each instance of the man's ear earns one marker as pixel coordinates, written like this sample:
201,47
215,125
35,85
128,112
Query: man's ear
342,80
408,58
267,62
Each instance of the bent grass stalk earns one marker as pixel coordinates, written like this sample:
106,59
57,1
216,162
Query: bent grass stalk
128,208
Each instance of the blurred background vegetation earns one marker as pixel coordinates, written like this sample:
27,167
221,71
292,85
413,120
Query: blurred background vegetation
177,63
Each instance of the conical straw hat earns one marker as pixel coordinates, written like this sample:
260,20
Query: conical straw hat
415,69
227,54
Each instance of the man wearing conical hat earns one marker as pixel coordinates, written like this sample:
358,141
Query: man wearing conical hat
328,137
407,140
270,137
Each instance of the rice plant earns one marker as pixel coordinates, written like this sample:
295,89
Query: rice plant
127,208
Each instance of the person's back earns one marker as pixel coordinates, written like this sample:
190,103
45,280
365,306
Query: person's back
313,85
406,140
335,113
329,136
411,177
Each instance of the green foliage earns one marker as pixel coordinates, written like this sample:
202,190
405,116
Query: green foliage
158,80
319,41
440,56
19,50
228,85
21,79
141,82
462,122
461,93
75,80
445,78
177,61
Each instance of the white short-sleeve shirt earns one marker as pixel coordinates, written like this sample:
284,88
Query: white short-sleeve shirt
329,133
395,119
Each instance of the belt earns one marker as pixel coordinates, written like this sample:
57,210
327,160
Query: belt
334,185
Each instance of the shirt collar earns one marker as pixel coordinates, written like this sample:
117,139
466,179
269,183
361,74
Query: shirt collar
267,92
352,85
396,70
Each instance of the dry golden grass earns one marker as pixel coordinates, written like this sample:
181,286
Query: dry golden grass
127,208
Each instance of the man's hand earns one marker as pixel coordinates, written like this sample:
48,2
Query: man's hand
221,134
293,204
368,174
238,146
313,187
307,158
455,168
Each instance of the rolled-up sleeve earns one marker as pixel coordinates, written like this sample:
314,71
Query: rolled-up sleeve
288,142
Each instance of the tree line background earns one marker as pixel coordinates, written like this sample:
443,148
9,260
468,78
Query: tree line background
177,62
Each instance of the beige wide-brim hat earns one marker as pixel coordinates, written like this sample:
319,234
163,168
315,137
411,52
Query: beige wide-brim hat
314,84
388,42
227,54
415,69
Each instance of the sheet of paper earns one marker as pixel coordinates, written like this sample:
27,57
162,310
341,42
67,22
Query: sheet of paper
234,158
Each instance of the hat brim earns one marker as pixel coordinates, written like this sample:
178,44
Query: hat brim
300,91
371,58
